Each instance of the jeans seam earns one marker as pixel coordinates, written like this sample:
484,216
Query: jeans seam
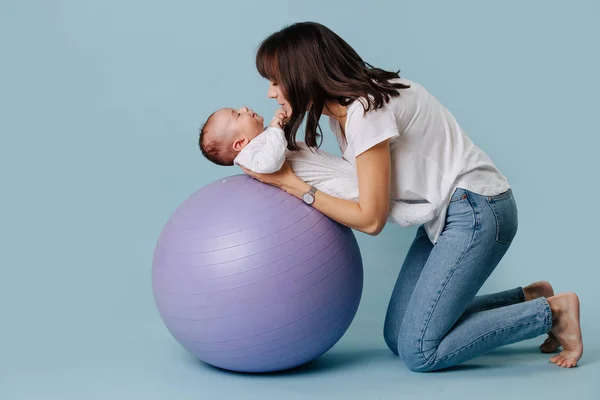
459,198
548,312
456,200
430,312
492,307
480,338
497,219
547,325
500,196
491,200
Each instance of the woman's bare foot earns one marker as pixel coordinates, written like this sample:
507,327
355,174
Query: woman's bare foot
566,327
535,291
550,345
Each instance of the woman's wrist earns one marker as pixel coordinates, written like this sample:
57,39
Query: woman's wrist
296,187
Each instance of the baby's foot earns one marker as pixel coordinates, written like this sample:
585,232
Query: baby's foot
566,328
535,291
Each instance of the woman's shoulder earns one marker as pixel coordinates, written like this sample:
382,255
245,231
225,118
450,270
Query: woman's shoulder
413,89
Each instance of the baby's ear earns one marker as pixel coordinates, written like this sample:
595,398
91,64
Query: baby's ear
239,143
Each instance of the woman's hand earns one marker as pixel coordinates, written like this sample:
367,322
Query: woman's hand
369,214
283,178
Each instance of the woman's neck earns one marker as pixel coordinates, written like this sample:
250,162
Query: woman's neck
336,111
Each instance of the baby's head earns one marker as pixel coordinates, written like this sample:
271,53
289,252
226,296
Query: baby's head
226,132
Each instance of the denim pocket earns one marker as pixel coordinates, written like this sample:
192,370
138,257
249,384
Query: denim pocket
458,195
505,211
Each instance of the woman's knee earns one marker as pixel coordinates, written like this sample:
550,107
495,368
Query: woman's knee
390,336
409,346
413,359
400,346
417,365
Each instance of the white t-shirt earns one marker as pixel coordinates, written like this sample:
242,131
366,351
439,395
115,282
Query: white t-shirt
431,155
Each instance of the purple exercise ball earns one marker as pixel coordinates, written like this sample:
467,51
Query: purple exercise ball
249,278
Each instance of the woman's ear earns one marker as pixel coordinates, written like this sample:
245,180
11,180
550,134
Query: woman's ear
239,143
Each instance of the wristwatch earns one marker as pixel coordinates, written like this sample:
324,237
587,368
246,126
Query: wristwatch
309,197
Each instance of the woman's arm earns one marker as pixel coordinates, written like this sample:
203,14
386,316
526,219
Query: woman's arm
370,214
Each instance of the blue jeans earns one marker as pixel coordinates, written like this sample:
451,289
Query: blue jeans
434,319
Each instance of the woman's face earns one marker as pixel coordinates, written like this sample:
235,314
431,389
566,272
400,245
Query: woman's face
276,93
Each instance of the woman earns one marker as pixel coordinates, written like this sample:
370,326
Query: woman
404,143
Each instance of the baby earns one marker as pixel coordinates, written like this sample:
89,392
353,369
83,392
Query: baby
238,137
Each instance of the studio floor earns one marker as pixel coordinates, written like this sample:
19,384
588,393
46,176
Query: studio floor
144,362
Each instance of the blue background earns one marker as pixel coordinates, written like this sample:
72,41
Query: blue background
100,103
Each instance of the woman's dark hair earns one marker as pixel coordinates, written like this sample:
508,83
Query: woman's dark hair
313,65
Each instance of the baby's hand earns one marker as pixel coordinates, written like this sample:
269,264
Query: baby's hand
278,120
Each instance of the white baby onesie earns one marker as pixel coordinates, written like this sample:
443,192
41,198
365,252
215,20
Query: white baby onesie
332,175
265,153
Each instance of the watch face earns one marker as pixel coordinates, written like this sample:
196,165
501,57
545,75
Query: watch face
308,198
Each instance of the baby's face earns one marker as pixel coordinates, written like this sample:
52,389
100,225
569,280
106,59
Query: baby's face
241,125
